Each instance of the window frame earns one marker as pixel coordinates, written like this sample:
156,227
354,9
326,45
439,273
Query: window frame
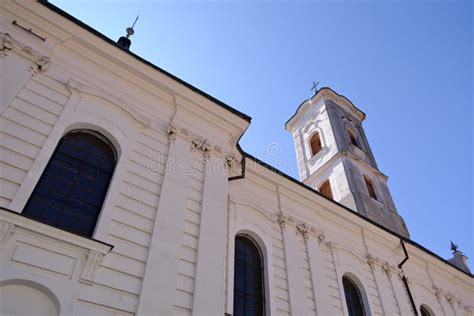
319,143
249,240
369,185
353,138
66,158
426,310
121,135
359,293
327,183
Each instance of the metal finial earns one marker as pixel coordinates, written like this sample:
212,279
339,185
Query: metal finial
315,87
454,247
130,30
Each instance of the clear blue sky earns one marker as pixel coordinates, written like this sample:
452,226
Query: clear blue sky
406,64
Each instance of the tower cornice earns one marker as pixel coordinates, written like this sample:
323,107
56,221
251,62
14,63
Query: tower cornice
340,155
324,94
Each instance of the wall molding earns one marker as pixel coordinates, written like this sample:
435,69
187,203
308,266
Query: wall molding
141,119
8,44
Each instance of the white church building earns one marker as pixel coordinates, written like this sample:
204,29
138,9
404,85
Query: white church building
124,191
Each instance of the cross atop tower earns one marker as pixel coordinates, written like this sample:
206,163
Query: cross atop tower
315,87
454,247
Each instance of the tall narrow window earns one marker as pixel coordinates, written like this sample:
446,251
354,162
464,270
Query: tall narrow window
353,298
325,189
370,187
352,138
72,188
248,279
315,143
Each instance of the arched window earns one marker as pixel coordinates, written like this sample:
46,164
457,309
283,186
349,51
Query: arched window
370,187
72,188
425,311
352,137
315,144
325,189
248,279
355,307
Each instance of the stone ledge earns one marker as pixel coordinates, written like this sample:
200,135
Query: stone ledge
9,218
54,241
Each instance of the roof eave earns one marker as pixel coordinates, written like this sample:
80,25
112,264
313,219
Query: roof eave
86,27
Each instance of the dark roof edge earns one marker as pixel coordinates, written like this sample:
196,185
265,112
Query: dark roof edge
324,88
413,243
66,15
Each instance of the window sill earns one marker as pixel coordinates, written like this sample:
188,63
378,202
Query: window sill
19,220
318,155
376,201
357,149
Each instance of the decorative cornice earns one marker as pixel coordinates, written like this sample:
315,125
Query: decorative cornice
282,219
319,234
231,162
300,227
9,44
301,111
325,94
387,269
353,156
172,131
340,155
303,229
201,144
371,261
450,298
438,294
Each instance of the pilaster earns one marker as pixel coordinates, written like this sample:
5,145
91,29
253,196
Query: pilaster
158,292
447,301
318,277
294,271
18,63
382,275
209,290
401,295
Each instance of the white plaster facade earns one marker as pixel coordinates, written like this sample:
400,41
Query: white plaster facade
180,193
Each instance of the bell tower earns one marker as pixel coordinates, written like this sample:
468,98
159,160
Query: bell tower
334,157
